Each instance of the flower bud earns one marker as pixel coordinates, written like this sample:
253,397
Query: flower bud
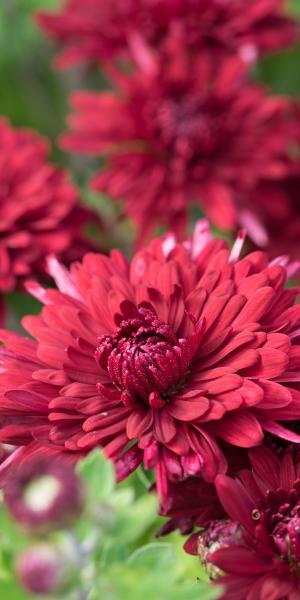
44,494
219,534
43,570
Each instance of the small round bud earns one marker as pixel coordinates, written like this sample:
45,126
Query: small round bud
220,534
43,570
44,494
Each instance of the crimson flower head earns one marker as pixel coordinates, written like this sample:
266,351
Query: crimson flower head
103,29
263,561
156,361
39,208
186,133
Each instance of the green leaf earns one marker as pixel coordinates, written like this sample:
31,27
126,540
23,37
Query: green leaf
98,474
10,590
133,523
156,555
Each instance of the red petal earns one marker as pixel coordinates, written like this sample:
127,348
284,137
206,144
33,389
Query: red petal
235,500
240,428
23,401
272,363
275,395
188,409
179,444
280,431
128,463
223,384
287,472
237,560
256,307
138,422
164,426
266,465
191,545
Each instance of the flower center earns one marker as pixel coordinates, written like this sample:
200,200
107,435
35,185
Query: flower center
40,494
144,359
185,127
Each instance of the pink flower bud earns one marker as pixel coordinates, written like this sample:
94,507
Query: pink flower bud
43,570
44,494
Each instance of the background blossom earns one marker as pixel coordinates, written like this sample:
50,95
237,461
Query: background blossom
39,208
189,133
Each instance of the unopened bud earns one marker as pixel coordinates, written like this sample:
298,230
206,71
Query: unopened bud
44,570
220,534
44,494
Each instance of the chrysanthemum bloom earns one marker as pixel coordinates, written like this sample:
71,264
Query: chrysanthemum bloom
187,133
39,208
44,494
156,360
104,29
263,562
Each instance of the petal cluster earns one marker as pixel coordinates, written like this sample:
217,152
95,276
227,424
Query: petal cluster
162,360
39,208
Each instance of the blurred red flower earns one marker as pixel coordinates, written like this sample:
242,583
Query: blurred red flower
185,346
39,208
104,29
188,133
271,214
265,561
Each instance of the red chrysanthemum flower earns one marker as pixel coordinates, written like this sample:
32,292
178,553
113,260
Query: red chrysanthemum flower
104,29
264,560
185,346
188,133
39,208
